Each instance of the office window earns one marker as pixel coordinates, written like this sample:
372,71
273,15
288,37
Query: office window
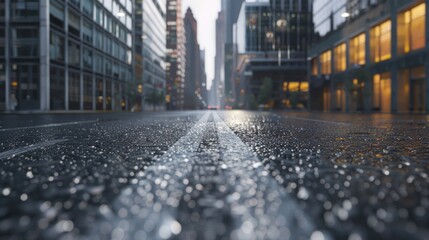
98,63
357,50
25,42
326,62
314,67
87,7
108,95
381,42
56,46
88,89
2,42
340,57
412,29
74,53
25,10
74,23
87,32
57,88
75,2
98,15
108,66
2,10
56,9
74,91
87,59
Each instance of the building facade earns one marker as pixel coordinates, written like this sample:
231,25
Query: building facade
151,51
193,81
176,56
370,55
271,52
231,11
65,55
217,88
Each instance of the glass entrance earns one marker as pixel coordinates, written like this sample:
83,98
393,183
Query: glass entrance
417,90
417,95
25,87
382,93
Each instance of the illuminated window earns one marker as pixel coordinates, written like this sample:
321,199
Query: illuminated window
326,62
357,50
381,42
314,67
340,58
382,92
412,29
304,87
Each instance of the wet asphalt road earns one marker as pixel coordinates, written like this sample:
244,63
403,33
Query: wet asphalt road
214,175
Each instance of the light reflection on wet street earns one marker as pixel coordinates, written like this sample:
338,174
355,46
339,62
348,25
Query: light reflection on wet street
214,175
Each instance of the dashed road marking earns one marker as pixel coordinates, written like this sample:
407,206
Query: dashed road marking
18,151
48,125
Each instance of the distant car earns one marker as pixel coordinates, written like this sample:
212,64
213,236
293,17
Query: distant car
212,108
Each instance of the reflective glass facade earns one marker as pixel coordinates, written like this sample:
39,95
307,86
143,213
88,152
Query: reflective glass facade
150,29
57,53
176,55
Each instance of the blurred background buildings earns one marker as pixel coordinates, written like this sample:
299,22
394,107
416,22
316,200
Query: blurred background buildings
121,55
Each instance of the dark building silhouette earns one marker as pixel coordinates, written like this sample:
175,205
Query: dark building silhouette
193,81
231,11
217,89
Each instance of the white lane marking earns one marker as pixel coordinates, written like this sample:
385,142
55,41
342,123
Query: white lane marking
316,120
29,148
167,174
48,125
244,162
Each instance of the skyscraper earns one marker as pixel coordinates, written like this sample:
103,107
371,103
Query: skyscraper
65,55
176,55
193,84
231,11
216,97
150,29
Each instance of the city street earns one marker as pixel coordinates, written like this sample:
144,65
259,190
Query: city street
214,175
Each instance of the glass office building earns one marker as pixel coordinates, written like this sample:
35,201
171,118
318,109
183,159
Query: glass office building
151,51
370,55
65,55
176,56
271,45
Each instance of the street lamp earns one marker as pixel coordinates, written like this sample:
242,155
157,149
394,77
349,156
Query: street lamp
345,15
121,13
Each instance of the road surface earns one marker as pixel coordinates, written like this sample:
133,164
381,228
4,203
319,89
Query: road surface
214,175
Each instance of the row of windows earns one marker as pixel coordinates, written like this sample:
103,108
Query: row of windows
103,93
106,21
411,36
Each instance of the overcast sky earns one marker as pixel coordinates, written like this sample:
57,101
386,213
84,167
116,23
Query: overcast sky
205,11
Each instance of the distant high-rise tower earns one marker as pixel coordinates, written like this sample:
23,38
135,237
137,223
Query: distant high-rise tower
176,56
193,84
216,96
